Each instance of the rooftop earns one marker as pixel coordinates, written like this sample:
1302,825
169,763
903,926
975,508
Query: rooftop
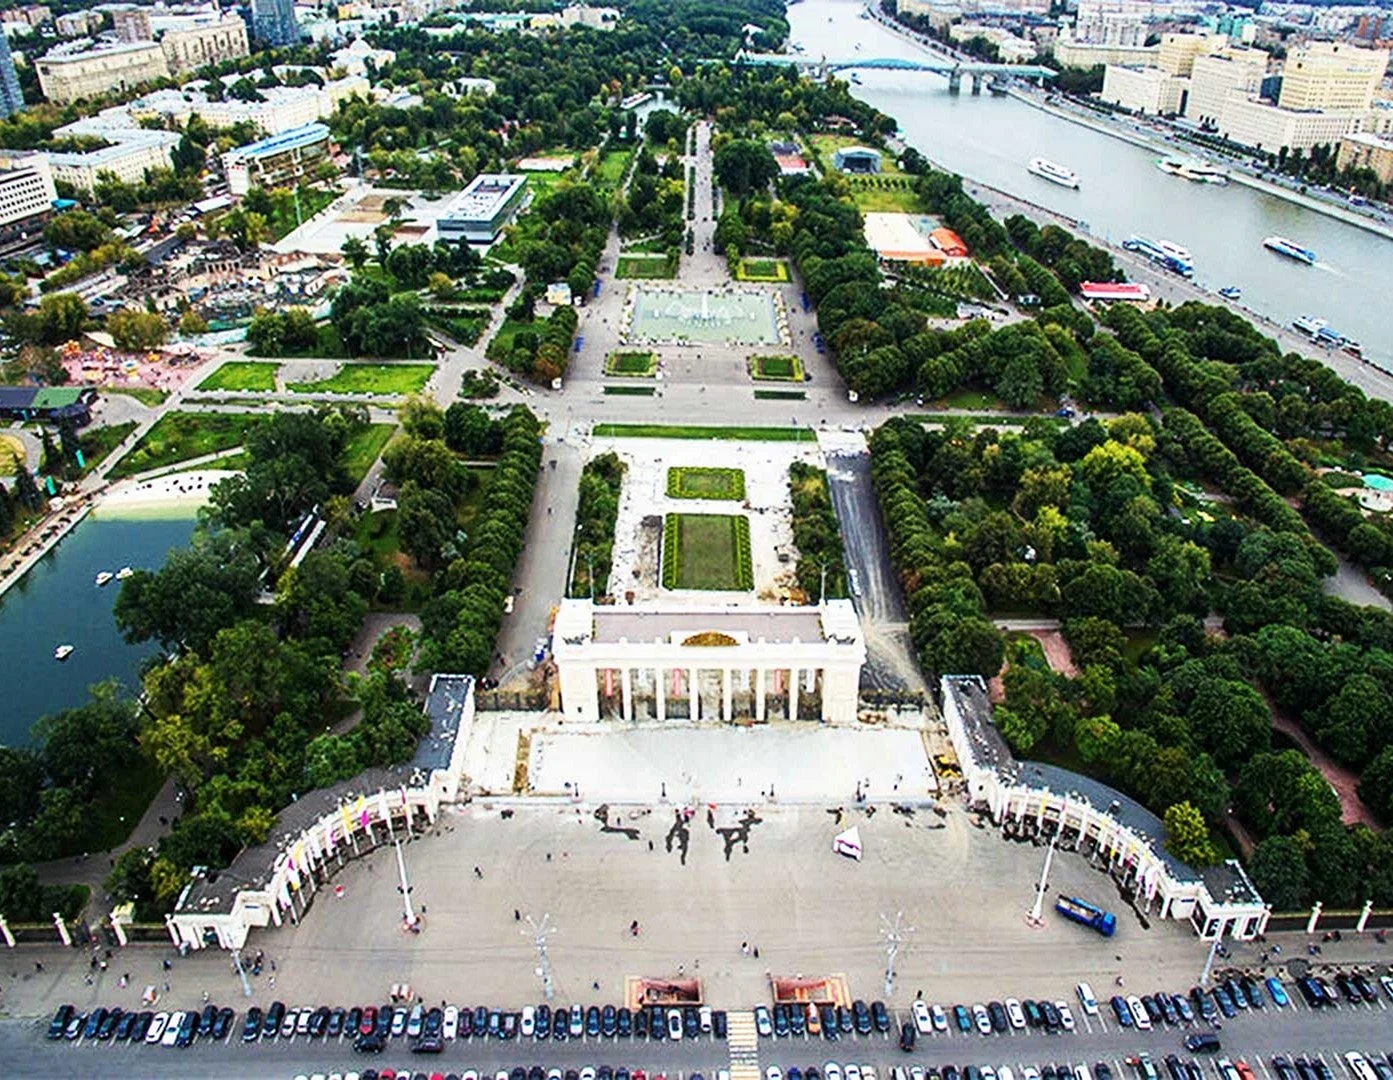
304,135
1225,882
483,197
125,141
611,624
252,868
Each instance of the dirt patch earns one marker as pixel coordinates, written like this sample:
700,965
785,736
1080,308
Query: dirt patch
1057,652
1344,781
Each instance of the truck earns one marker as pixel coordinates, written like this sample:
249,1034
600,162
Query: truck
1081,911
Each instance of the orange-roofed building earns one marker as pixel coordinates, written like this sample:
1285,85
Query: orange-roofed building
949,242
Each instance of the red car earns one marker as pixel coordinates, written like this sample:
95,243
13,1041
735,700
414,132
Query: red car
369,1022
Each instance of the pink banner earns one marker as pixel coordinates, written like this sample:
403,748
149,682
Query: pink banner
677,682
609,682
779,681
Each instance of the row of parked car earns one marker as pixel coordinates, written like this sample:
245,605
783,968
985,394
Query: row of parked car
829,1021
1238,993
154,1028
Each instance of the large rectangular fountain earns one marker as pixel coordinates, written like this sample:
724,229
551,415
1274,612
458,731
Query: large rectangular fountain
736,318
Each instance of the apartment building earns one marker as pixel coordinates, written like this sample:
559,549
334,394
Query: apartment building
206,43
1332,75
68,75
26,186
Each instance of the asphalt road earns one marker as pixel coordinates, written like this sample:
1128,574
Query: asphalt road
1255,1036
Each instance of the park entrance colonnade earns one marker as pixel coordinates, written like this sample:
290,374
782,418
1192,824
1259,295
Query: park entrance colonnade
732,664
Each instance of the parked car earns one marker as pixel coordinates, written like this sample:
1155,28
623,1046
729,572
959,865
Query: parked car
1202,1042
924,1022
1277,992
907,1037
674,1023
1121,1011
59,1023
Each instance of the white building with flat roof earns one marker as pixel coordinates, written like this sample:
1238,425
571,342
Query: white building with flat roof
1147,90
128,157
278,160
1214,78
661,662
1257,124
478,213
26,186
67,75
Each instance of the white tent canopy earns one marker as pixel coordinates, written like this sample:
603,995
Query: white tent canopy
848,843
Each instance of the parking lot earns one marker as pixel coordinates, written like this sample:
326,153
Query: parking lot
1105,1051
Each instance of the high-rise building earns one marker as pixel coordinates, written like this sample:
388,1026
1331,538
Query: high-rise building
1178,51
1213,78
132,25
11,97
273,22
1328,76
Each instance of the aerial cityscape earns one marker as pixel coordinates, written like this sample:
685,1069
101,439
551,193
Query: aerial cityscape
696,540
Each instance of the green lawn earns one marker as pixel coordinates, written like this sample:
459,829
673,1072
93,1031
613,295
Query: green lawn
755,269
178,436
363,447
776,368
242,375
704,483
500,346
781,395
728,434
630,267
888,200
390,378
312,200
98,442
113,814
707,551
146,395
638,365
631,391
611,167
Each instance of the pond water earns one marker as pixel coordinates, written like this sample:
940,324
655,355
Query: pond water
58,602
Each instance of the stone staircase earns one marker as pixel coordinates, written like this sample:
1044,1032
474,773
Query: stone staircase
742,1039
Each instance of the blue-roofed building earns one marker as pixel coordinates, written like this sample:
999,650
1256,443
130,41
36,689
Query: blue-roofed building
1034,801
279,161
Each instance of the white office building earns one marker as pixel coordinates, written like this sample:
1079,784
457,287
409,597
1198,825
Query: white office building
26,186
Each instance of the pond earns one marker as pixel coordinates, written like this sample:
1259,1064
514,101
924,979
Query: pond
706,317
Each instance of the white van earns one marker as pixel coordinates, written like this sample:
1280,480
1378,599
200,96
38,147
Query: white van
1088,1002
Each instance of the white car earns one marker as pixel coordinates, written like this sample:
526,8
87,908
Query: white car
940,1017
922,1020
1030,1072
916,1072
852,1072
589,1069
704,1015
171,1029
1359,1065
763,1024
1087,1001
1015,1013
1138,1011
1386,981
867,1072
988,1073
832,1071
469,1074
1005,1073
984,1022
1066,1015
674,1023
449,1027
528,1023
773,1073
157,1027
1081,1072
501,1074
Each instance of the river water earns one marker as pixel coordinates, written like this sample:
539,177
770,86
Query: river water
1121,191
58,602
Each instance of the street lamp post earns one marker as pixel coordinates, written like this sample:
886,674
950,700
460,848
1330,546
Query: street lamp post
1209,960
241,972
894,934
539,932
1034,918
405,887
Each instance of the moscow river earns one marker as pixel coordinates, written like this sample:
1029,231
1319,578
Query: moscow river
1121,192
58,602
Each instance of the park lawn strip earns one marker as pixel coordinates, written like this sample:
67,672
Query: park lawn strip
776,368
612,165
98,442
724,434
178,436
596,512
707,551
692,482
815,533
243,375
888,200
781,395
631,391
636,365
364,447
360,378
757,269
146,395
644,267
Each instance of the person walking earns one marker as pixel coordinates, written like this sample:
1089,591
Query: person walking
478,873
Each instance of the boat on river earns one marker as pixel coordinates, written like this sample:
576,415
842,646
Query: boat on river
1055,174
1308,324
1291,249
62,652
1163,253
124,573
1231,292
1197,171
104,577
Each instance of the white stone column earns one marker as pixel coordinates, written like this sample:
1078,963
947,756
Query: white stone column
660,696
693,694
793,693
626,693
173,930
5,933
62,929
759,694
727,689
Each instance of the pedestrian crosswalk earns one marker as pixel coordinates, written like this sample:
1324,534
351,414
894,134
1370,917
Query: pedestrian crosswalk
742,1040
